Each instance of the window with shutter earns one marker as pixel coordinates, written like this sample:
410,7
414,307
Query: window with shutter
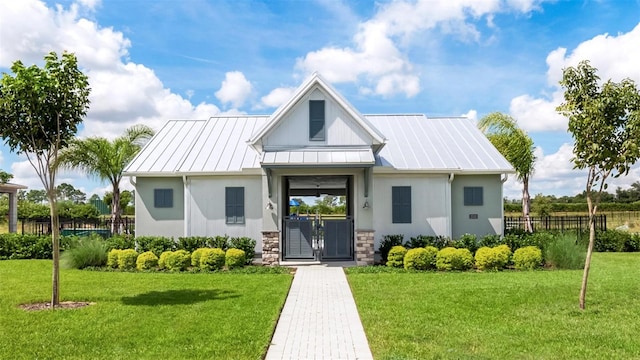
401,204
316,120
234,205
473,196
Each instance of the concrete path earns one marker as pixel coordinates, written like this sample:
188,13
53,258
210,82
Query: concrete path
319,319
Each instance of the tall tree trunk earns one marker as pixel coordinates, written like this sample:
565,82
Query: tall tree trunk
526,205
55,240
115,210
587,262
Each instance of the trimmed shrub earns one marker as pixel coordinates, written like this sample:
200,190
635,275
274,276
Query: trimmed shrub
112,258
527,258
389,241
234,258
87,252
162,260
564,253
467,241
219,242
127,259
178,260
156,244
192,243
17,246
396,256
212,259
454,259
146,261
195,257
246,244
421,258
492,258
120,242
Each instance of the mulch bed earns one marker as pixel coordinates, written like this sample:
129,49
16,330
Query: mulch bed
62,305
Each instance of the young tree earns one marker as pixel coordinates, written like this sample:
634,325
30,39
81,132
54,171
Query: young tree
517,147
40,110
106,160
604,121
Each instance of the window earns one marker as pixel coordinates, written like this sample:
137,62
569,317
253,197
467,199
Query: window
234,202
163,198
316,120
401,204
473,196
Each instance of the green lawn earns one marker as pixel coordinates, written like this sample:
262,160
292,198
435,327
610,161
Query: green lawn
515,315
138,315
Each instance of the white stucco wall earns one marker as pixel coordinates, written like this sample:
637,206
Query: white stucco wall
206,207
489,215
430,201
152,221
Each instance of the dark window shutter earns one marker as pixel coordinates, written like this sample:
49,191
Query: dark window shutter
401,204
316,120
163,198
473,196
234,205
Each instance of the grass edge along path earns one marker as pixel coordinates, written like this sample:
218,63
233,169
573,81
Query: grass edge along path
510,314
139,315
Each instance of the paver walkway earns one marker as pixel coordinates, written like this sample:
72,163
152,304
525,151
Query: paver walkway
319,319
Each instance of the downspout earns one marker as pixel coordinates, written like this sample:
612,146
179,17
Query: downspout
450,206
132,181
503,179
187,206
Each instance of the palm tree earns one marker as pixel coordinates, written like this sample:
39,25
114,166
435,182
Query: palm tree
106,160
517,147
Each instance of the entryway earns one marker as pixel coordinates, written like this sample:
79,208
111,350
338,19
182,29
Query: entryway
318,237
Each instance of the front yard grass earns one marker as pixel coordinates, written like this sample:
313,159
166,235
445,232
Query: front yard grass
138,315
517,315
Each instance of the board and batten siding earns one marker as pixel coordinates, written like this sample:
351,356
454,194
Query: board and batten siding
207,207
485,219
159,221
340,128
429,206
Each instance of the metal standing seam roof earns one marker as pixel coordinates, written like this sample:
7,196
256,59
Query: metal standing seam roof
414,143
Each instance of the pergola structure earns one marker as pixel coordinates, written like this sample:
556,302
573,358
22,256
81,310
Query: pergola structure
12,190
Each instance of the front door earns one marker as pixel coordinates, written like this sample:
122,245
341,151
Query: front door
318,238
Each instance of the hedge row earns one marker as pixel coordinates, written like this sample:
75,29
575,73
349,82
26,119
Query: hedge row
609,240
205,259
17,246
580,207
450,258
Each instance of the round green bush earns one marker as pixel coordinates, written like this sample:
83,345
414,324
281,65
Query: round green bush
146,261
127,259
234,258
178,260
421,258
527,258
195,257
492,258
454,259
162,261
396,256
112,258
212,259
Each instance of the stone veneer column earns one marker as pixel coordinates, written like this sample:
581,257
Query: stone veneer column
270,248
365,251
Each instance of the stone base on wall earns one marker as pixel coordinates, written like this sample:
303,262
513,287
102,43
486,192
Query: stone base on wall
365,251
270,248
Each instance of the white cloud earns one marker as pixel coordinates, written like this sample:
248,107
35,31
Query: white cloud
376,59
615,57
277,97
235,89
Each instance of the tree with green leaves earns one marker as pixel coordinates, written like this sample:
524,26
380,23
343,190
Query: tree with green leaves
604,121
5,177
106,159
517,147
40,110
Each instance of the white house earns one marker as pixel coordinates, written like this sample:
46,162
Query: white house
401,174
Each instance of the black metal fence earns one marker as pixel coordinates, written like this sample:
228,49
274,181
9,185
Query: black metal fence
555,223
80,227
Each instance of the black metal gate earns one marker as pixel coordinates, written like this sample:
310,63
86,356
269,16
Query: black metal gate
315,238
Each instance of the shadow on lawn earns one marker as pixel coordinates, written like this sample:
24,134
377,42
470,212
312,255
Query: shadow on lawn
177,297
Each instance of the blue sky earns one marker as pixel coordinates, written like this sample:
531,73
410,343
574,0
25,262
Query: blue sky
150,61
